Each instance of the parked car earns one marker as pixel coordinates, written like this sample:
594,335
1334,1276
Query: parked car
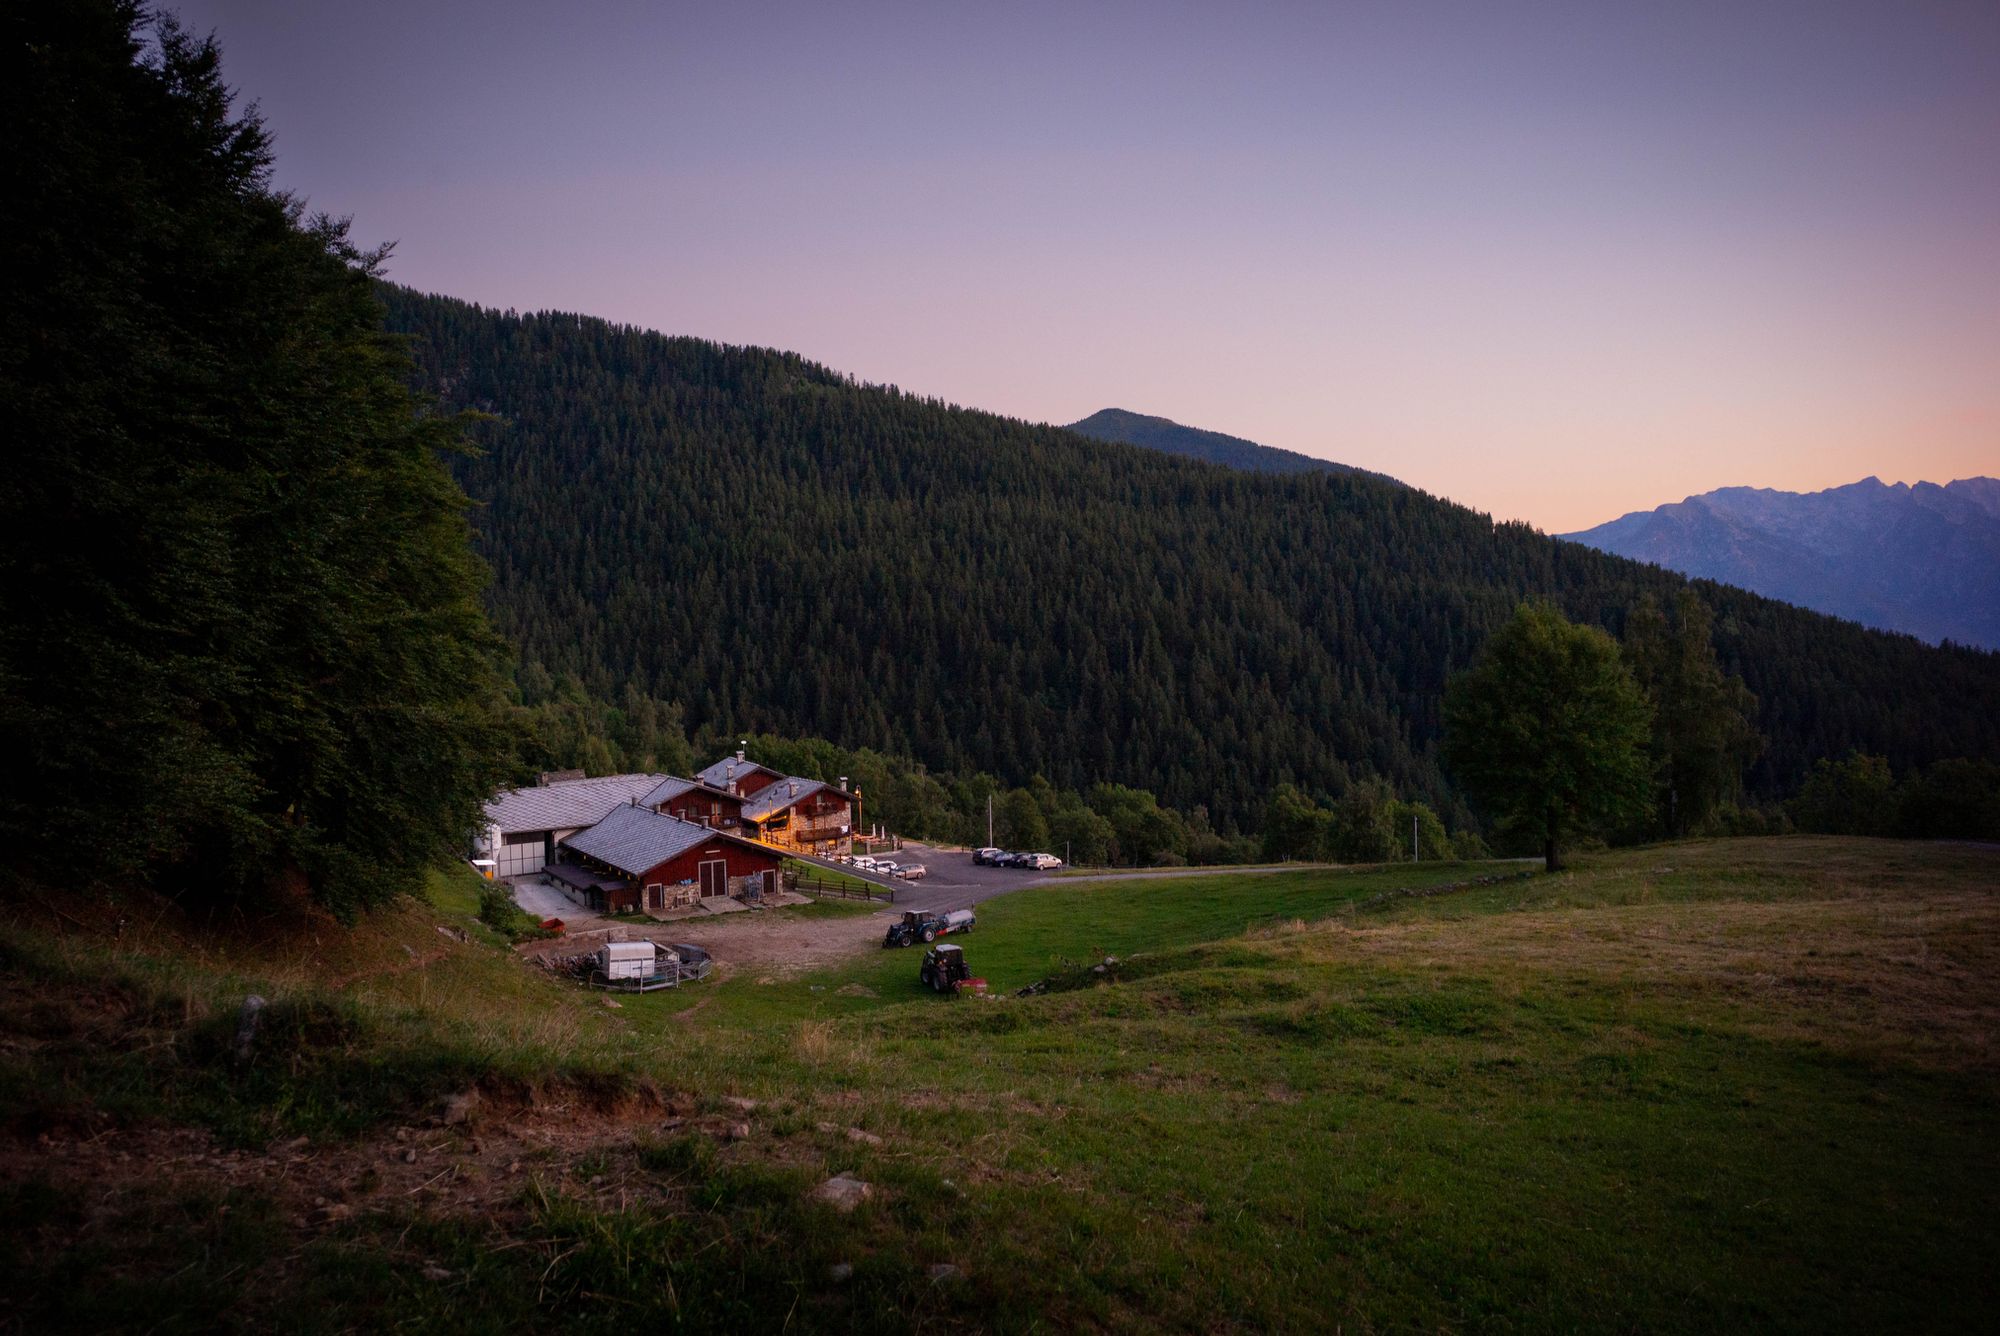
912,872
1043,862
987,857
886,867
864,862
1017,860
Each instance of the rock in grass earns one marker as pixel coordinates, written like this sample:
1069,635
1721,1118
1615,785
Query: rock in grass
246,1027
840,1273
458,1109
944,1272
844,1192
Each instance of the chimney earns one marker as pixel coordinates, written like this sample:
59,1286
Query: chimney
795,788
741,747
843,783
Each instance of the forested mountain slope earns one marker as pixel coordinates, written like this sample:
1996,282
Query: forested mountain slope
1923,559
780,548
1158,433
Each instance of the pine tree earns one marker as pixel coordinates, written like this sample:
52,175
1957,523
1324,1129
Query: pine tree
1702,736
245,639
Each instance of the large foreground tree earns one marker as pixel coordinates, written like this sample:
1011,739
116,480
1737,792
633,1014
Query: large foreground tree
244,640
1548,731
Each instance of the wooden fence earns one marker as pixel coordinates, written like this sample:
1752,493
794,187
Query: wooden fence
843,890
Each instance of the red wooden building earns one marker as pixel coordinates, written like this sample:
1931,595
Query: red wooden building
738,775
692,800
637,858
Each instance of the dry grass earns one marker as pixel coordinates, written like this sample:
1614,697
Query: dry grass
1836,944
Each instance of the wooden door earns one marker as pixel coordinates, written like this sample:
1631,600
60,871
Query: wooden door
770,881
714,878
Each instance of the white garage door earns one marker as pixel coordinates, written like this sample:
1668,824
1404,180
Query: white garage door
522,853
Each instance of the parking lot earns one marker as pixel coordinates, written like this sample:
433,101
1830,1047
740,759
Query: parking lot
952,881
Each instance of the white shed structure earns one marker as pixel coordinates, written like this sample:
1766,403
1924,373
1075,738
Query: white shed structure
628,960
523,825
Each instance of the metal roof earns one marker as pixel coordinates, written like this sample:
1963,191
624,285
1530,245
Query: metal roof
567,803
777,797
635,840
673,786
718,775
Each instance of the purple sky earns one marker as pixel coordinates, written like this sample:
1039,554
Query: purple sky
1556,261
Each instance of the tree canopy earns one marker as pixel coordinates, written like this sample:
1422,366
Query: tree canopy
1702,735
245,638
1549,731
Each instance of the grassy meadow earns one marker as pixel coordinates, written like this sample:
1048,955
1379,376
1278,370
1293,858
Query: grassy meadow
1704,1085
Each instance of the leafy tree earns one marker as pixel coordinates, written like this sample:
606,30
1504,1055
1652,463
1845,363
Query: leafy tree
245,645
1295,827
1954,799
1549,730
1144,833
1022,823
1363,826
1853,796
1086,836
1702,735
1432,841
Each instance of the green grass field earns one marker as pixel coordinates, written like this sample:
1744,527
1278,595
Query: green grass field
1711,1085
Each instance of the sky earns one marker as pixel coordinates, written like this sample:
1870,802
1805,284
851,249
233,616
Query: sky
1555,261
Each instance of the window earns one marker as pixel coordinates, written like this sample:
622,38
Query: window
523,837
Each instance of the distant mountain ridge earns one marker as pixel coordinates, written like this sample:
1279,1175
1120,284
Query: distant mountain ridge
1158,433
1919,558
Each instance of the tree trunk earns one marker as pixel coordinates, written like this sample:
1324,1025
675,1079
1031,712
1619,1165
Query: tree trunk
1551,856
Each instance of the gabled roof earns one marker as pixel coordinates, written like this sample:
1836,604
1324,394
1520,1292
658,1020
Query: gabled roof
777,797
567,803
635,840
719,774
673,787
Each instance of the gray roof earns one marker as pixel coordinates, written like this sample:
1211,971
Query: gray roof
673,786
635,840
718,774
566,804
777,797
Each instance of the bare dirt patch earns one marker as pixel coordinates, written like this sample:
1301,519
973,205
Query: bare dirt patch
479,1163
769,941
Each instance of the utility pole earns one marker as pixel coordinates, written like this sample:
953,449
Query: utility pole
989,821
1413,837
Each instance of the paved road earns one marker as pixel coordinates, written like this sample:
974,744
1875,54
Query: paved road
952,880
545,901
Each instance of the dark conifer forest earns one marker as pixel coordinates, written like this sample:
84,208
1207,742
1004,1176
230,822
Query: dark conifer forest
780,549
245,649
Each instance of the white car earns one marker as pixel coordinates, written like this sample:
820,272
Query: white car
886,867
1044,862
864,862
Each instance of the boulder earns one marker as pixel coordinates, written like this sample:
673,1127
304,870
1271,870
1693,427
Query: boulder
844,1192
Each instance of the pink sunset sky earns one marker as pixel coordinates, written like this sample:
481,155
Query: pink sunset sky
1555,261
